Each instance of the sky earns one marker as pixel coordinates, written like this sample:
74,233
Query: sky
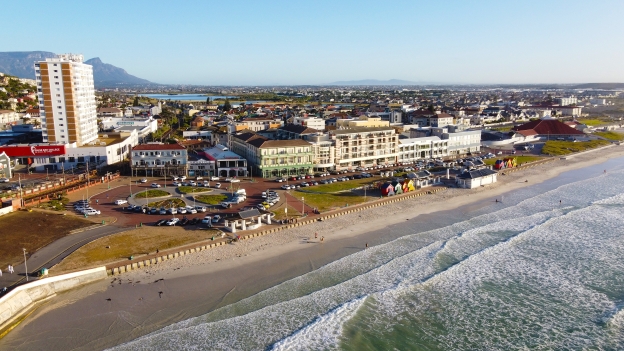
300,42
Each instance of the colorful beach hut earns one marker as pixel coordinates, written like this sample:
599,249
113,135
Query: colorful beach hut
386,189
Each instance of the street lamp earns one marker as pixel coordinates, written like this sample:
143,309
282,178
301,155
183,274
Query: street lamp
302,206
25,266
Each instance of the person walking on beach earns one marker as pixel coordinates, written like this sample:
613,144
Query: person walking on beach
315,235
322,238
367,245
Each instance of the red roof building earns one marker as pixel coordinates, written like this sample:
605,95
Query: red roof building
547,127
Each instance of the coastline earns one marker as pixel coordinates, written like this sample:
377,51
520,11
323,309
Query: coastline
196,284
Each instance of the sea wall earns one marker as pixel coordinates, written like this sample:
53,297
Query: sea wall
19,301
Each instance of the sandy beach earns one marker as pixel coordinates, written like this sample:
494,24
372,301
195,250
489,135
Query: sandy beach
145,300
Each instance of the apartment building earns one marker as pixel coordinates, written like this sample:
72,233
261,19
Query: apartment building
226,162
310,122
257,124
66,100
274,158
362,122
157,159
425,148
364,147
324,150
460,141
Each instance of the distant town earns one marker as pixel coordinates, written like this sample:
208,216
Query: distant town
59,122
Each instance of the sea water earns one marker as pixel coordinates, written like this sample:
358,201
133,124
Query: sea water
543,270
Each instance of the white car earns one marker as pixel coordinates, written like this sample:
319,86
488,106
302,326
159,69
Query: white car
206,220
121,202
173,221
286,187
91,212
192,183
182,210
218,185
206,183
199,178
173,210
264,195
199,208
176,184
176,178
4,180
144,180
214,178
232,180
155,185
182,177
191,209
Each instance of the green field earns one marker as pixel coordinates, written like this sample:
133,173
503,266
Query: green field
151,193
211,199
556,147
519,159
325,202
591,122
192,189
280,213
611,135
342,186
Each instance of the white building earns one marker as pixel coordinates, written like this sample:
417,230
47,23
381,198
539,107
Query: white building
365,147
67,99
415,149
566,101
310,122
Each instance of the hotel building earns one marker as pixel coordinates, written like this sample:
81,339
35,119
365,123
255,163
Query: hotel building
67,100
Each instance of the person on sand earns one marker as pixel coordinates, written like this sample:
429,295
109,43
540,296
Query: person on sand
315,235
367,245
322,238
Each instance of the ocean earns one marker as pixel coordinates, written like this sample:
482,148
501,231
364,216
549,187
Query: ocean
541,270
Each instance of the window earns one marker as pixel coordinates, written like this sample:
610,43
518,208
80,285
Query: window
56,83
62,159
62,130
56,77
58,95
52,160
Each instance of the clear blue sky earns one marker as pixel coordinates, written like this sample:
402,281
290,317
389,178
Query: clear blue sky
315,42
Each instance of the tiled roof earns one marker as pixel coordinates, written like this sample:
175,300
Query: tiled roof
546,126
298,129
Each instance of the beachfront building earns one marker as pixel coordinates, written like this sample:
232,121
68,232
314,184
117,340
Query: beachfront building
310,122
476,178
294,131
548,129
423,148
364,147
274,158
459,141
227,163
67,100
362,122
324,151
157,159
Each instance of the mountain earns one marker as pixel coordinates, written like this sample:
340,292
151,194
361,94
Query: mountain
107,74
21,64
375,82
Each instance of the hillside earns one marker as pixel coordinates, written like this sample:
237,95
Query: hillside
21,64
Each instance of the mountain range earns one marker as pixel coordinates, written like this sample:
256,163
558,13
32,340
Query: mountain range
21,64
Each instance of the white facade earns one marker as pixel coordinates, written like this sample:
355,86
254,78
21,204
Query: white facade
310,122
117,122
415,149
67,99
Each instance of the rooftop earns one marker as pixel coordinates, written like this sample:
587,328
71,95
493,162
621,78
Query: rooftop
219,152
159,147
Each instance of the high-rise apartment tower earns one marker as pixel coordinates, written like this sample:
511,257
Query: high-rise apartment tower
66,99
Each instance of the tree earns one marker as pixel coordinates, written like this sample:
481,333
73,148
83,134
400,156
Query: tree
227,105
208,100
136,101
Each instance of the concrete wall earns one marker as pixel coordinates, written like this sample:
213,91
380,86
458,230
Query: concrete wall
21,299
6,210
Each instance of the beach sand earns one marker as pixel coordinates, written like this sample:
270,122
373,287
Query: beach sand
145,300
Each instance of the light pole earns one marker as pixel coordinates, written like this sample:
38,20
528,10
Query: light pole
25,266
302,206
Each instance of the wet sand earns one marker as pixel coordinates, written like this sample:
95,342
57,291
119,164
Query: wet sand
146,300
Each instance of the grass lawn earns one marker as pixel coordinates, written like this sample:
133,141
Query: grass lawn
519,159
342,186
167,203
131,243
211,199
280,213
192,189
611,135
151,193
32,231
591,122
557,147
325,202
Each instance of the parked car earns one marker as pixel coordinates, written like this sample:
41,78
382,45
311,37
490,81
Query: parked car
184,221
155,185
206,183
176,183
264,195
120,202
172,210
160,222
162,211
182,177
217,185
304,184
200,208
173,221
153,210
280,180
194,221
214,178
216,219
182,210
191,210
91,212
176,178
4,180
206,219
286,187
192,183
143,180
